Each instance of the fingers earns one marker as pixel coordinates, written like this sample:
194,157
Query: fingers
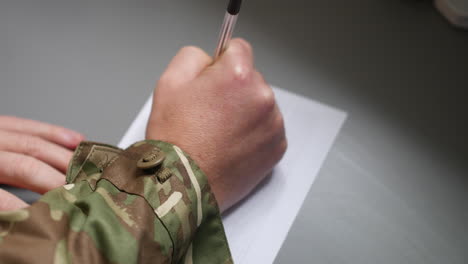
10,202
29,173
56,134
186,66
237,60
43,150
240,51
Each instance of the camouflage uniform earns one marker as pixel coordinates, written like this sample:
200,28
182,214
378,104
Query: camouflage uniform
149,203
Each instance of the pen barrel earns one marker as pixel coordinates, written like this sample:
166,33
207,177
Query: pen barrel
225,34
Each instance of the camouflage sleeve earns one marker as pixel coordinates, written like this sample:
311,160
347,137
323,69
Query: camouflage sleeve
149,203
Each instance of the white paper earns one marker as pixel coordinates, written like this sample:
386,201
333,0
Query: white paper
257,227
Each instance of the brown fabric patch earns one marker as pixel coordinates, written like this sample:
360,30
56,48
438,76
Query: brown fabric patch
82,249
150,251
103,156
211,198
4,226
181,168
192,221
176,186
143,230
38,235
144,215
123,172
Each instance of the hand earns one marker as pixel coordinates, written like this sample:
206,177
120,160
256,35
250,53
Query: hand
223,115
33,155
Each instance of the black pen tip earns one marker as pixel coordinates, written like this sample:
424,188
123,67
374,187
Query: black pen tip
234,7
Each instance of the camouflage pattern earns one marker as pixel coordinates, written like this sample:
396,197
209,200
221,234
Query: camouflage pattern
111,211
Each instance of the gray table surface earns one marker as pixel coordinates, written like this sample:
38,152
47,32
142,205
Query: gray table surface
394,188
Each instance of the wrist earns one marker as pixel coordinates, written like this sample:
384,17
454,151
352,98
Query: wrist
203,160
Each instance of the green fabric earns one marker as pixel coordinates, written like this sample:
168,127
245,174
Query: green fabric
113,212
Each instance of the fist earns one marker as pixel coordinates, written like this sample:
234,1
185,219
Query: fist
224,115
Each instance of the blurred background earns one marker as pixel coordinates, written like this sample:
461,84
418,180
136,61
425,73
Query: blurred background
394,188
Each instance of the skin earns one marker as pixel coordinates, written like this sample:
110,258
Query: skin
222,113
33,155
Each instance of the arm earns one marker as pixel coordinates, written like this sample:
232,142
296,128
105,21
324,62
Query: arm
223,115
112,211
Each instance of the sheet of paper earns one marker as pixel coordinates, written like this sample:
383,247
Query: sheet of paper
257,227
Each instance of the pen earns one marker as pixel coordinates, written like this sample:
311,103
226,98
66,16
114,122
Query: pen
228,26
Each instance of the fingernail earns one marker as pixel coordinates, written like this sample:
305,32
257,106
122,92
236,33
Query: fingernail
72,138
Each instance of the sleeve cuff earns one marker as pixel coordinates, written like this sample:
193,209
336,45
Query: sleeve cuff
172,184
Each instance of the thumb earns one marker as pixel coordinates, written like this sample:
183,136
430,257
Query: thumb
186,66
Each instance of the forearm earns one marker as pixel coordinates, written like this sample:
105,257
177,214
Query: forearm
114,211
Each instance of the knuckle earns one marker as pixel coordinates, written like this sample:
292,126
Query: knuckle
241,73
261,79
279,122
280,149
283,147
267,99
